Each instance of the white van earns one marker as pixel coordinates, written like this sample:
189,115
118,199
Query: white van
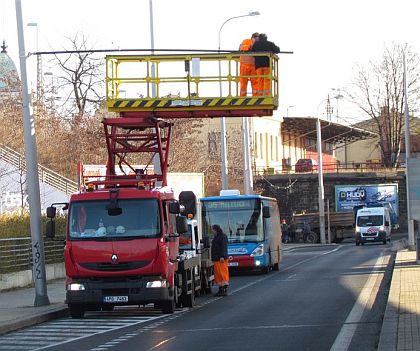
373,224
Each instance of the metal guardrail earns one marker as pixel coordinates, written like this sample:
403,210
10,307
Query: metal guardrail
46,175
16,253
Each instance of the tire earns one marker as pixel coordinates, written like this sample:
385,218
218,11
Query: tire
76,311
168,307
312,238
384,242
189,299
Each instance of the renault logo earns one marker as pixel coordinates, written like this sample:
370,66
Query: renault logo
114,258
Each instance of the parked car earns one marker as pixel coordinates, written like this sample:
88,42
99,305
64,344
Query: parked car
306,165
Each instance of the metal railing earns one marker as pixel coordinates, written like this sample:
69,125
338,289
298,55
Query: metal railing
46,175
16,253
351,167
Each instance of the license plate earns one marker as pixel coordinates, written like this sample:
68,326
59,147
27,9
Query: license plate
233,264
370,238
113,299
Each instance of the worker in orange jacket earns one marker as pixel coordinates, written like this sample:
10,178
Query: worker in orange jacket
247,67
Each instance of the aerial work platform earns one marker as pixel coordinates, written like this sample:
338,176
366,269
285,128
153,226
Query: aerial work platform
185,85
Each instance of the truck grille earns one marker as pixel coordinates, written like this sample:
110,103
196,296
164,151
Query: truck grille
110,267
370,234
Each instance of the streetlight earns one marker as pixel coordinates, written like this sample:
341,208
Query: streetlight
222,119
32,177
287,110
338,96
321,195
38,67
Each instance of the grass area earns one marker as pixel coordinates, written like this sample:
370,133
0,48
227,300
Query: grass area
17,225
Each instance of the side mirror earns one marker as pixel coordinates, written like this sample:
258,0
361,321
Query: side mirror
181,224
266,212
51,212
50,229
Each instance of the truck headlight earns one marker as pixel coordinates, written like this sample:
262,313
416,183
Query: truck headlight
75,287
258,251
156,284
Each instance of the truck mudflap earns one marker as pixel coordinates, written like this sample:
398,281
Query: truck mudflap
129,292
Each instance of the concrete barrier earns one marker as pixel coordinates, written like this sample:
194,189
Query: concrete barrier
24,278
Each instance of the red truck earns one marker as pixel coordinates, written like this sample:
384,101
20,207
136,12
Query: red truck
122,240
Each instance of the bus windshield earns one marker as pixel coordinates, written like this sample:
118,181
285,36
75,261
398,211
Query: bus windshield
90,220
240,219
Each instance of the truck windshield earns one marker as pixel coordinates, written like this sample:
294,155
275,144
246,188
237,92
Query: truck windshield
241,220
90,220
366,221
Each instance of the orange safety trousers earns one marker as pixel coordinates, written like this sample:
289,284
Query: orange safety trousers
264,83
221,272
245,71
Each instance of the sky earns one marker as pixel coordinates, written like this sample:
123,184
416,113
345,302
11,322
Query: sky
328,38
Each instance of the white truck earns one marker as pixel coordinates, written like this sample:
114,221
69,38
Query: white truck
373,224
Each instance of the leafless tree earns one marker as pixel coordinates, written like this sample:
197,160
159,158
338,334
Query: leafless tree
379,92
81,78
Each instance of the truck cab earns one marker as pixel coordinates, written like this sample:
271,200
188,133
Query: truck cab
373,225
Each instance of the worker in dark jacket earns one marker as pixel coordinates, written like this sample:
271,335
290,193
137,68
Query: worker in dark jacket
262,63
219,256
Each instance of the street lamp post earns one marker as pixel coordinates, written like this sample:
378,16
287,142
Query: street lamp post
222,119
38,67
39,273
287,110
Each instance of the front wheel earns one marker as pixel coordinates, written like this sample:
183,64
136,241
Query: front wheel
168,307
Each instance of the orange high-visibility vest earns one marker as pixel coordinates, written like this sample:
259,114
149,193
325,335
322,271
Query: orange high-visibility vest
246,45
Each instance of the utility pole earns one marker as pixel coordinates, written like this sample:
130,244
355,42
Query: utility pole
39,274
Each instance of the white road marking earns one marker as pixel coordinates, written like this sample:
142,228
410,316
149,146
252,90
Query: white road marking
343,339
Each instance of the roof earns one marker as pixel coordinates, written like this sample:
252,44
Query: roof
332,132
9,76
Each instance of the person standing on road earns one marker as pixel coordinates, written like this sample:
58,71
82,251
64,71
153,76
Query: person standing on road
219,256
262,63
247,67
285,230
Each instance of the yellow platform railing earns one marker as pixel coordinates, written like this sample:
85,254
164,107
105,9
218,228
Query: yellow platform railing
190,82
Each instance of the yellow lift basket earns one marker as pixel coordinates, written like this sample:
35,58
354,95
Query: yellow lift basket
185,85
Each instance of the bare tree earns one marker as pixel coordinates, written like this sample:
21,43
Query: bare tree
81,78
379,92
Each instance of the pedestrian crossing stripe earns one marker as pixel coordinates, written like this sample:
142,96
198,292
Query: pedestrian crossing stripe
168,104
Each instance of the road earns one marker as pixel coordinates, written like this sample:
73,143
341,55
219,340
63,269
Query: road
323,298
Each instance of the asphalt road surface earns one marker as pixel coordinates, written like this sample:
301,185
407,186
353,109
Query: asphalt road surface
323,298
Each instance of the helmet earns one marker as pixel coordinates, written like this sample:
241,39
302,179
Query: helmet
120,229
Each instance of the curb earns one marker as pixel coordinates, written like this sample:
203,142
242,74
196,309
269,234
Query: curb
24,322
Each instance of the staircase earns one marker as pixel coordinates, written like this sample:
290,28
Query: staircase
46,175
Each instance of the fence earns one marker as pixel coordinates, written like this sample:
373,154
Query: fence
16,253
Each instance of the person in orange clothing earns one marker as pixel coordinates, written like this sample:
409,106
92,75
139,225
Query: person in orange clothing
219,256
247,67
262,63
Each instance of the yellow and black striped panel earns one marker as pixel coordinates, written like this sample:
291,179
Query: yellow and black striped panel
234,103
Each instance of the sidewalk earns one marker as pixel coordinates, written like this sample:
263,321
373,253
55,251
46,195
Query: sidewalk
17,306
401,324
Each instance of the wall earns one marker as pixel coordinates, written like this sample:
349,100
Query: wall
299,192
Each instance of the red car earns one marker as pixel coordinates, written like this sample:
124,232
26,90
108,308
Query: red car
306,165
